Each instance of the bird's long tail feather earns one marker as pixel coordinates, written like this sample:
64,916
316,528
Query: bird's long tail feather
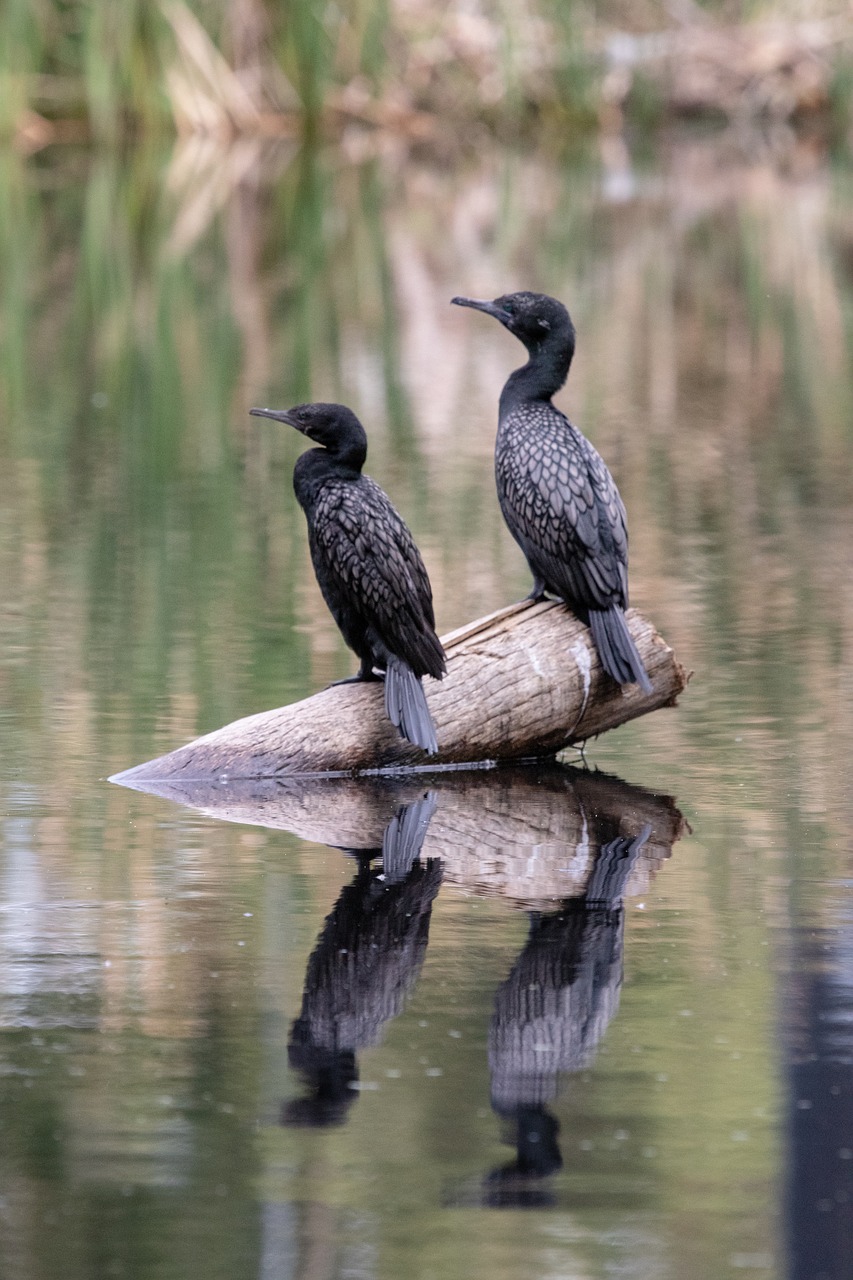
406,705
616,649
606,884
404,835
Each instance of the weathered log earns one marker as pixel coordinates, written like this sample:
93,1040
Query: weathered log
522,682
530,833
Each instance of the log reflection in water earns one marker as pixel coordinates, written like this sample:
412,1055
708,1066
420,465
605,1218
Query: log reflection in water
366,962
526,833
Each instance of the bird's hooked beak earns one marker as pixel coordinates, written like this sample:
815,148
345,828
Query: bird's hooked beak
484,305
489,307
279,415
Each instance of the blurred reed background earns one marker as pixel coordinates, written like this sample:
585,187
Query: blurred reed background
104,71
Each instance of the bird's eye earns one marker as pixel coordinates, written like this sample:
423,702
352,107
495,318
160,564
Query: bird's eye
509,308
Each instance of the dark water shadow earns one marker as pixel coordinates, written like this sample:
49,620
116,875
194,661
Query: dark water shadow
819,1122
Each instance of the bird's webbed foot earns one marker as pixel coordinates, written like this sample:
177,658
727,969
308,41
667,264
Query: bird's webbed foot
538,592
364,675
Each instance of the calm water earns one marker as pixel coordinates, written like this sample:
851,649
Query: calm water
604,1024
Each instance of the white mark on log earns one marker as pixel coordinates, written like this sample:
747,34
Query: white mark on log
533,656
580,861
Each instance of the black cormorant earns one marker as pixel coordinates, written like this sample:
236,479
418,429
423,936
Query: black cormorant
556,493
369,570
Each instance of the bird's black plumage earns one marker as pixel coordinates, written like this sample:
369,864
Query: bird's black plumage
556,494
368,568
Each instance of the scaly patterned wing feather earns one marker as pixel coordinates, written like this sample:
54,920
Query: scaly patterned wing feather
562,506
367,549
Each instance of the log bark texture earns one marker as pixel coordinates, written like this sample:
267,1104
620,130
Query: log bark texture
529,833
522,682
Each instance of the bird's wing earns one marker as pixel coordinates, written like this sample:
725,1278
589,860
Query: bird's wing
563,507
366,547
407,550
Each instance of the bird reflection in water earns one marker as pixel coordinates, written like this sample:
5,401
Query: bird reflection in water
550,1015
365,964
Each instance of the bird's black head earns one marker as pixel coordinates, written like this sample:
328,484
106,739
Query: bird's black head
534,318
333,426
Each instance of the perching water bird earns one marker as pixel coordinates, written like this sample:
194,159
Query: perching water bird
556,494
368,568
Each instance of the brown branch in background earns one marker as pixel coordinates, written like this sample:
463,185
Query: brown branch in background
209,96
246,34
244,242
774,69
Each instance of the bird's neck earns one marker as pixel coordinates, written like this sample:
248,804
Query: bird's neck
348,454
314,468
543,375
